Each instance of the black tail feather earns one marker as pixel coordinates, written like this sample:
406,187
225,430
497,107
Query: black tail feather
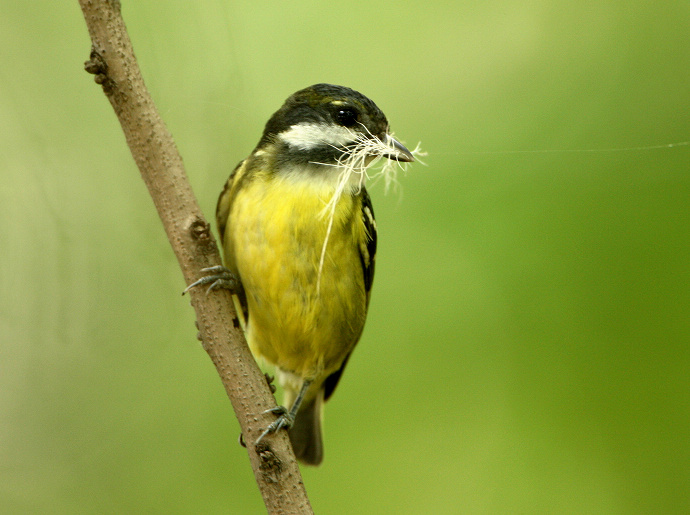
305,433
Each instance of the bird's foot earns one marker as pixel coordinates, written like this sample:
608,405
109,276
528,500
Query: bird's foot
285,420
219,277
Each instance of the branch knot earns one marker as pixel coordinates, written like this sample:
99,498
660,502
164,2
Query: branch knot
271,466
97,66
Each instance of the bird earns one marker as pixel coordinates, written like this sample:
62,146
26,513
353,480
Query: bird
299,237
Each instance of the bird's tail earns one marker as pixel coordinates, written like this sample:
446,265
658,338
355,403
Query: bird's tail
305,433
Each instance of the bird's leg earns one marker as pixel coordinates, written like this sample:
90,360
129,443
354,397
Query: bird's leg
285,418
219,277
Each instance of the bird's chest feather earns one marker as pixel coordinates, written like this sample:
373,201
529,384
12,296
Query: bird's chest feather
305,312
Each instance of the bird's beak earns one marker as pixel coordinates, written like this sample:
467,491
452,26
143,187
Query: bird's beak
398,151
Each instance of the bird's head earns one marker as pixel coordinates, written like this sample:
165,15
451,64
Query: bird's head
330,125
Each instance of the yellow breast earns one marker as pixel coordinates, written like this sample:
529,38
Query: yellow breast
275,237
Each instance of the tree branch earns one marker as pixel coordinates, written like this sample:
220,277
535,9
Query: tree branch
113,63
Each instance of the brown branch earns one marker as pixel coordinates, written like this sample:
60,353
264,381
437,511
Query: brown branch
113,63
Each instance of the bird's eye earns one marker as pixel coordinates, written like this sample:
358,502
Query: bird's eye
346,116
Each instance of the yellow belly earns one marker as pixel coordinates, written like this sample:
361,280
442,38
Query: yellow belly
303,321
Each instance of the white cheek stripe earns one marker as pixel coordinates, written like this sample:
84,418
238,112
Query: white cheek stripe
306,135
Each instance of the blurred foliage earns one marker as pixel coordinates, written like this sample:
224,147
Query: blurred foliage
527,349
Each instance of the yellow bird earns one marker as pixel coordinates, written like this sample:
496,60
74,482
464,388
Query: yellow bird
299,237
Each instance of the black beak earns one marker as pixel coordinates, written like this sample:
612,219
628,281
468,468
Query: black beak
398,151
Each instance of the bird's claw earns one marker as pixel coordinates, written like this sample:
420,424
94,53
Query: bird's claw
285,420
219,277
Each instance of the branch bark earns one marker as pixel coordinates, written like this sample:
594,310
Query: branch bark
114,65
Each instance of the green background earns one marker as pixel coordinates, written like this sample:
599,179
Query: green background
528,344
